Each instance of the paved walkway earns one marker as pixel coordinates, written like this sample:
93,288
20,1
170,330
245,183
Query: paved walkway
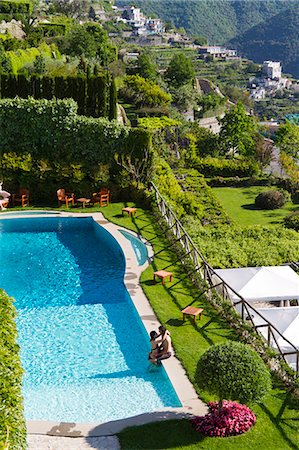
38,442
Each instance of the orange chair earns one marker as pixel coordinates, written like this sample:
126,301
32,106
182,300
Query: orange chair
21,198
64,197
102,197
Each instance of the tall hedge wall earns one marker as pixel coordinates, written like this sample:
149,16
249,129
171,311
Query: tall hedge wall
12,422
96,96
45,144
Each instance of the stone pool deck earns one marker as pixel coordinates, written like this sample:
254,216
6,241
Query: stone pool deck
55,435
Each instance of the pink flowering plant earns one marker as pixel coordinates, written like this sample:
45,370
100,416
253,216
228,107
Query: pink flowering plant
232,419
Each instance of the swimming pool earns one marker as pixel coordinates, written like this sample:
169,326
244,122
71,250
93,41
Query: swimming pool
83,346
139,247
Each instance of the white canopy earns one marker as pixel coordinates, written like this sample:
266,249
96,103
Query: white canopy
271,283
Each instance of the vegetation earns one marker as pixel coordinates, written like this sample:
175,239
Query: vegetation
237,132
233,371
180,70
142,92
287,139
12,422
219,23
239,204
232,419
292,221
270,200
82,152
275,39
275,415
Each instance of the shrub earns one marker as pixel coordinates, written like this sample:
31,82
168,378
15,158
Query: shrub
212,167
143,92
295,197
292,221
270,200
231,420
12,423
234,371
61,147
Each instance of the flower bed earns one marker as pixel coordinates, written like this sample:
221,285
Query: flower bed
231,420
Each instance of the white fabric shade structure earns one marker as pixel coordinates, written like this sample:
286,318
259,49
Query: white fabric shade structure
259,284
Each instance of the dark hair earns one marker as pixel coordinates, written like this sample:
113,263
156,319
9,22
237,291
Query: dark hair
153,334
162,329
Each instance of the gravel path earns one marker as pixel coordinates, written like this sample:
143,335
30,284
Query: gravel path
39,442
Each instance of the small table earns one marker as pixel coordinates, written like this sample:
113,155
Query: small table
192,311
130,211
84,201
163,274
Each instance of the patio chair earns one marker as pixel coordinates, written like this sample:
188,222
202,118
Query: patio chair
64,197
21,198
102,197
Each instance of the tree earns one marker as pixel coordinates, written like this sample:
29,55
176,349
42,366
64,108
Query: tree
263,151
287,139
200,40
233,371
180,70
210,101
184,97
237,131
71,8
147,66
39,65
142,92
91,41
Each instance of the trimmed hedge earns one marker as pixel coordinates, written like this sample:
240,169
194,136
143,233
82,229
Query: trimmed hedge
95,96
270,200
15,7
292,221
212,167
233,371
12,422
45,144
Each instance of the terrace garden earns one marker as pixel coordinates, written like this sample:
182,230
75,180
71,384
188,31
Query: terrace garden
239,205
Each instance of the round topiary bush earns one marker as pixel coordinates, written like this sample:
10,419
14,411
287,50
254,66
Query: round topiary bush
231,420
270,200
292,221
233,371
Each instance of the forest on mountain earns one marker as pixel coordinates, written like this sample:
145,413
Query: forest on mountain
275,39
218,20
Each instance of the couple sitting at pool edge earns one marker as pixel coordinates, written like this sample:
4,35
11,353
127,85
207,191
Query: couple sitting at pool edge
160,345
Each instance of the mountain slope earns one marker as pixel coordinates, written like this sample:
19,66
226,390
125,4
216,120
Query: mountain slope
219,20
275,39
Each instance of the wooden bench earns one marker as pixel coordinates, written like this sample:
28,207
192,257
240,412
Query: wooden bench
130,211
162,274
192,311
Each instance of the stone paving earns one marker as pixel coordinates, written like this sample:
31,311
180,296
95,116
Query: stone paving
38,442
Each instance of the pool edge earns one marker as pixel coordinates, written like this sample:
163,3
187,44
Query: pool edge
191,404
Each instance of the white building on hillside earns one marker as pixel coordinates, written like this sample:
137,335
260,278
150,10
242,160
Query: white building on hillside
272,69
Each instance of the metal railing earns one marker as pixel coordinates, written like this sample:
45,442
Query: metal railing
217,284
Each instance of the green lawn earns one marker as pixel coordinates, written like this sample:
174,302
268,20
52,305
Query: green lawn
239,204
278,415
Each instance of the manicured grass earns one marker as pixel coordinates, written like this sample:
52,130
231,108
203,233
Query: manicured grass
277,416
239,204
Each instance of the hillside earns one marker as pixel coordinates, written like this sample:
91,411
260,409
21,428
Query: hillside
219,20
276,39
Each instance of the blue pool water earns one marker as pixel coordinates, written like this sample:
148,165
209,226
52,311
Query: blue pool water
83,346
139,247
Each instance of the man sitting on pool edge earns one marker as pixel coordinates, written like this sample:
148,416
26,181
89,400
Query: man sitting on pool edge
165,348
